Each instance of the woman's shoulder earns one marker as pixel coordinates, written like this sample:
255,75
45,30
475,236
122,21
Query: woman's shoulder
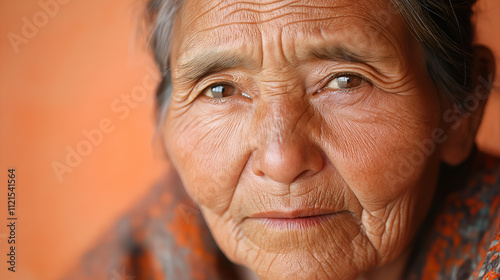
162,237
462,234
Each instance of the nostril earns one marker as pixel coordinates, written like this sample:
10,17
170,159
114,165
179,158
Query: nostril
256,169
304,174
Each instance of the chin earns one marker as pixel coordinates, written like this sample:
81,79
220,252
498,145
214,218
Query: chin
299,255
304,265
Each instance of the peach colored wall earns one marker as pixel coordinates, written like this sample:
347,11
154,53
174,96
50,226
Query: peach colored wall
70,76
64,80
488,21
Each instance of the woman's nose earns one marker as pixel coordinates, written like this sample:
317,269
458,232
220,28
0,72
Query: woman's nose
287,160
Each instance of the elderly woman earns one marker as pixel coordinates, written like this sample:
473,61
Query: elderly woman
317,139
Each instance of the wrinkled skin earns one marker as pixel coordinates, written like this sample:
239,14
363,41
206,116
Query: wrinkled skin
286,137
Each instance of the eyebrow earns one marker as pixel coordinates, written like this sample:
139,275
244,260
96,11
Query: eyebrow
193,68
196,67
339,53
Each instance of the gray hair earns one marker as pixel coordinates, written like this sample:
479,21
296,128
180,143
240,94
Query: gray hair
443,27
160,19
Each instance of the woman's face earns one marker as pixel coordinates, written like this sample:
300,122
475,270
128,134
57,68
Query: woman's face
305,131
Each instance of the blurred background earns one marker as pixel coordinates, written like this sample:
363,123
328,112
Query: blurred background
77,123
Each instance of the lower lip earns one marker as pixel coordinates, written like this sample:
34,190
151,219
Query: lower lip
296,223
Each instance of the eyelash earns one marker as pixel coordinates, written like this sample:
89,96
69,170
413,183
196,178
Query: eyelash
224,84
337,75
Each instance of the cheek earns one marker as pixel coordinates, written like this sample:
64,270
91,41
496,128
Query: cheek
207,148
381,138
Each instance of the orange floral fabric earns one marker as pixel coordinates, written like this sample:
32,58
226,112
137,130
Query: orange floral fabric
462,240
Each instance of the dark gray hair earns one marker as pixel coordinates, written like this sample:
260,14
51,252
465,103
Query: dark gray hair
443,27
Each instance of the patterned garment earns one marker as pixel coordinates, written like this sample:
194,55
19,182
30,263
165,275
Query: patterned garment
463,240
165,237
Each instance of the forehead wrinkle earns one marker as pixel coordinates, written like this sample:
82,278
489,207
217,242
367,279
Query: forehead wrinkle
299,9
290,4
200,15
255,22
383,29
324,37
241,12
334,51
263,4
387,23
237,29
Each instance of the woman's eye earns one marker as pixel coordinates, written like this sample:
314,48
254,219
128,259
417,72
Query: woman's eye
220,91
345,81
